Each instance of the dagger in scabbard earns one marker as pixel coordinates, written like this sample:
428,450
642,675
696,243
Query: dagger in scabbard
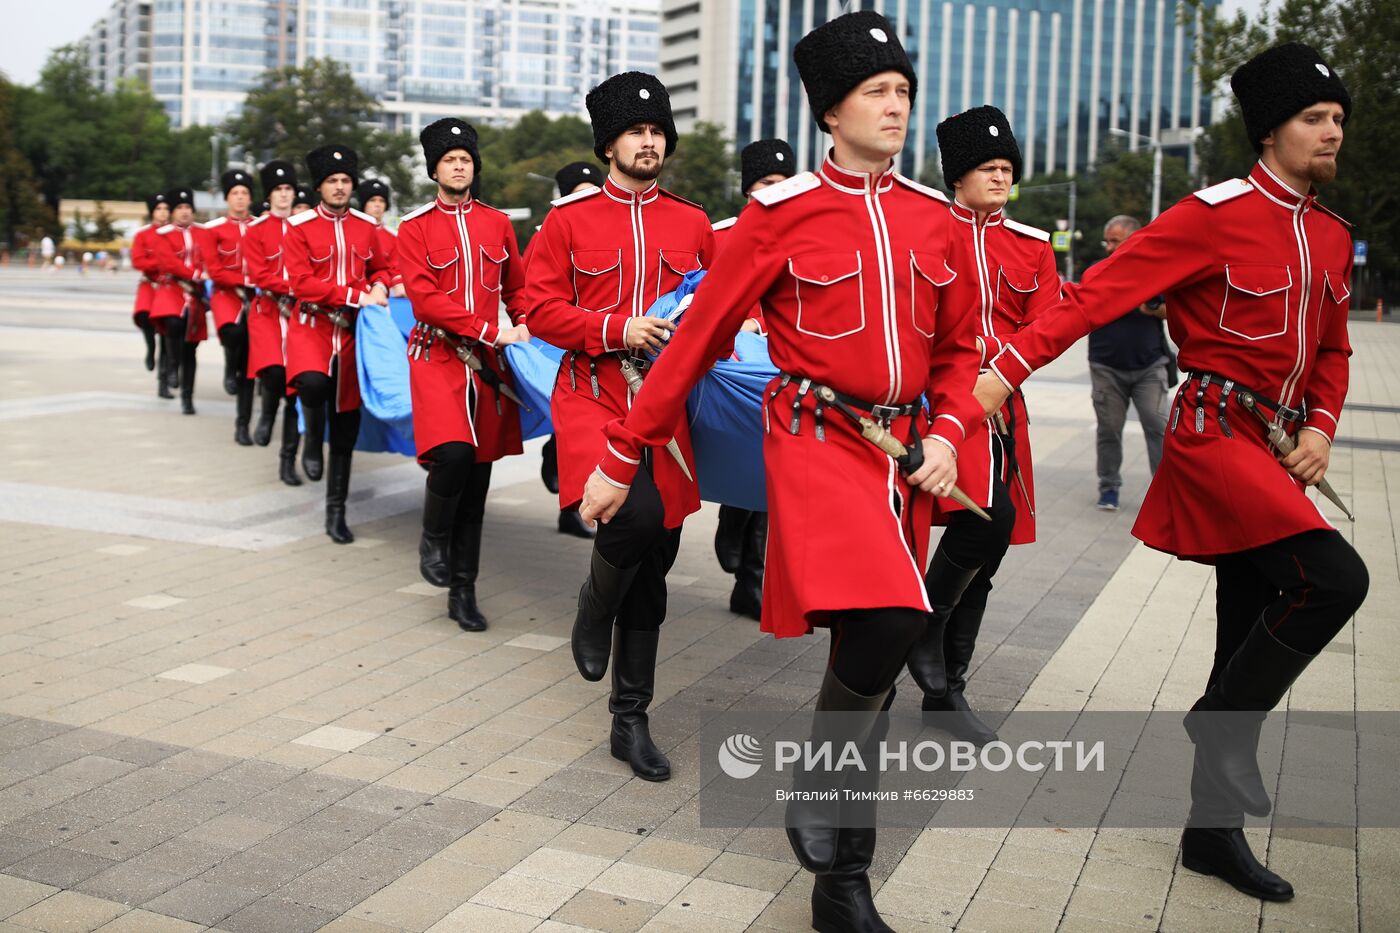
634,383
1284,444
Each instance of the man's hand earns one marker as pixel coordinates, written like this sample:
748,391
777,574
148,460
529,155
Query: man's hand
601,500
1308,462
377,295
648,333
991,392
750,326
509,335
398,292
940,469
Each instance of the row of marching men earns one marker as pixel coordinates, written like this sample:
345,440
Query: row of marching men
883,299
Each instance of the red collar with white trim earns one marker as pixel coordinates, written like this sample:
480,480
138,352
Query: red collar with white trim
851,182
461,207
967,215
331,215
1273,187
626,195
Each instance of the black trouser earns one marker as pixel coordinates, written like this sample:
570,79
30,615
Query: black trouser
869,646
453,471
638,537
1304,589
319,390
234,338
969,541
181,354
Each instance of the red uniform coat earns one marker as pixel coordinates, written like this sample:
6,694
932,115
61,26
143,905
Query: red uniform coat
1009,270
602,257
143,260
1256,281
179,255
228,268
722,229
458,262
386,241
850,270
332,261
267,268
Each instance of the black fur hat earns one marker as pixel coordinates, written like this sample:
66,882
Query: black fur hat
968,139
277,172
306,196
624,100
372,188
233,178
329,160
765,157
177,196
155,201
1279,82
576,173
838,55
442,136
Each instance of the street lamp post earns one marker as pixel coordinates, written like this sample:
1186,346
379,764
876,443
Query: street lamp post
1156,145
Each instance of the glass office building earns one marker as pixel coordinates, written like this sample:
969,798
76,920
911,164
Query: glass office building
422,59
1066,72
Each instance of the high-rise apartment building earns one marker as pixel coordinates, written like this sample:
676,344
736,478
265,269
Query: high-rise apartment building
1066,72
486,60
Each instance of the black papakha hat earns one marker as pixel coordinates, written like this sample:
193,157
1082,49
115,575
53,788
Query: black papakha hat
233,178
765,157
177,196
623,101
442,136
372,188
838,55
577,173
329,160
1278,83
277,172
968,139
305,195
155,201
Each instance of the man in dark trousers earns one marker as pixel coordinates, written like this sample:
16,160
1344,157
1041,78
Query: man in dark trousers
233,294
143,261
1255,273
600,260
179,310
850,264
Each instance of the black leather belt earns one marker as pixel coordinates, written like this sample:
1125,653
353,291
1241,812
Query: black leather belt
1281,412
884,414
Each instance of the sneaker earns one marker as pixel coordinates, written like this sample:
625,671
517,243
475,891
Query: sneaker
1108,500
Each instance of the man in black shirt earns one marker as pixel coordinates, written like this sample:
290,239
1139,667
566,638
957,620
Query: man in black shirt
1127,362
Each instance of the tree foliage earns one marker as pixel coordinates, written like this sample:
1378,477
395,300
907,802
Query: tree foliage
1362,39
704,170
293,110
22,212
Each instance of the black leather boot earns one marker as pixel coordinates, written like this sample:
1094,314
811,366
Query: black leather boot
729,537
944,582
812,824
1225,722
149,333
187,367
465,562
244,415
163,375
953,713
231,366
549,470
571,524
312,462
1225,853
337,489
287,455
436,539
634,682
747,597
270,399
598,601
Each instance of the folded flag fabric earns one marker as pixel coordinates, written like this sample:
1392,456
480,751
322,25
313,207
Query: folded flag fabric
534,366
381,355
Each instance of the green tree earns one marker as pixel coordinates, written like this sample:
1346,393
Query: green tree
104,229
292,110
21,208
704,169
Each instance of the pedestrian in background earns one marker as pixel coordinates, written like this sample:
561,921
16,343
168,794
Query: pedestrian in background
1127,363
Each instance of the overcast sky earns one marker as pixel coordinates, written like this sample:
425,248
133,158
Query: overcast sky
33,28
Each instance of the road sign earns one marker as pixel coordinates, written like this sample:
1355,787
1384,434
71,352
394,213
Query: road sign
1059,240
1358,252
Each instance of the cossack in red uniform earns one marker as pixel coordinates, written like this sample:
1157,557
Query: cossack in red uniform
849,269
458,262
180,254
143,260
602,257
1011,274
331,262
267,268
227,266
1256,279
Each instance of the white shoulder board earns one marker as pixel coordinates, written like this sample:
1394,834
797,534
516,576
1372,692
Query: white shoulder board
1034,233
257,220
576,196
299,219
800,183
392,231
922,189
363,216
726,224
1226,190
417,212
216,222
166,229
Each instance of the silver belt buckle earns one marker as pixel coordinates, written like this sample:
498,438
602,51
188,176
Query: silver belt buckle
884,413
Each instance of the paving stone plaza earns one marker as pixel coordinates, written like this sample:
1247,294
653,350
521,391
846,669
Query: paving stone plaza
212,717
